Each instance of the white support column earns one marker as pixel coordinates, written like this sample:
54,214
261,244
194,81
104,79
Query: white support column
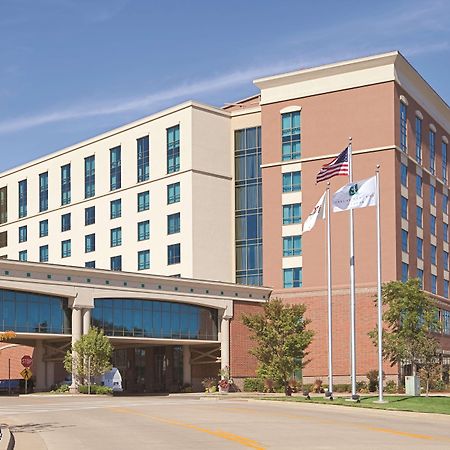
76,334
187,373
38,367
225,343
86,320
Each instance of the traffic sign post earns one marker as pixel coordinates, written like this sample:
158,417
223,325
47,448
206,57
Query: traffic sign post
26,375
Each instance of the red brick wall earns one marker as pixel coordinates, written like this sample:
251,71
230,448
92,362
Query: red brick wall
14,354
242,364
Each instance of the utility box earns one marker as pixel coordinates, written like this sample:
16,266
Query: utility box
412,385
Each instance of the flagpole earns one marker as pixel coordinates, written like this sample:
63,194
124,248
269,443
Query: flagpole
330,317
379,299
352,283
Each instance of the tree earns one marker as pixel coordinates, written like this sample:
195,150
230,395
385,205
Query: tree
90,356
6,335
411,317
282,338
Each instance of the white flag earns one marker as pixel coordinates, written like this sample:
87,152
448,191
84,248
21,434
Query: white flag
356,195
319,210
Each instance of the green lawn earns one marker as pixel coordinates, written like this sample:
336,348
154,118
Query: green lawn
422,404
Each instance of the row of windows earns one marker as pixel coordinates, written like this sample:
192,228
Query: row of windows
420,251
173,252
443,173
419,274
143,171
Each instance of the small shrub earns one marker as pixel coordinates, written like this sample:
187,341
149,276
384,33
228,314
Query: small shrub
361,386
269,385
391,387
61,389
341,388
317,387
294,385
372,376
253,385
96,389
439,386
210,384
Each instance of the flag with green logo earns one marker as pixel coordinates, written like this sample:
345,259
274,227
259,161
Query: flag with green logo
358,194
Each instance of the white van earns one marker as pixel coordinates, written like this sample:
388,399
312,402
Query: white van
112,379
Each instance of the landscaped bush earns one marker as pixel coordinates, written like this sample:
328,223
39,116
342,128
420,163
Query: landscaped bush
372,376
61,389
253,385
391,387
96,389
340,388
361,386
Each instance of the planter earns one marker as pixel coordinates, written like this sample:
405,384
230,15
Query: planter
225,389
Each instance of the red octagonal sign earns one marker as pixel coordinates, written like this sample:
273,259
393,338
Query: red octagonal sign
26,360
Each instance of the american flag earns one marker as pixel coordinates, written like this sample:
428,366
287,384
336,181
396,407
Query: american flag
339,166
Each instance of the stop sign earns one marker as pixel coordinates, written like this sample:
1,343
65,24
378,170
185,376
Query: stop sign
26,360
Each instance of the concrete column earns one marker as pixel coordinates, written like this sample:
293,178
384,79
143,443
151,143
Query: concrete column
38,367
225,343
76,334
187,377
50,373
86,320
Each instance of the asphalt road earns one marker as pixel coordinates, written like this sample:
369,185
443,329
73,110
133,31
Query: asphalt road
189,422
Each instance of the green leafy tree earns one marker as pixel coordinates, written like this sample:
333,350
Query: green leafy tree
91,353
281,337
411,317
6,335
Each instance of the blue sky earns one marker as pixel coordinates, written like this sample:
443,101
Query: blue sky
71,69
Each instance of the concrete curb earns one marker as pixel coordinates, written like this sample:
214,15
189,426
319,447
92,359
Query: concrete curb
7,441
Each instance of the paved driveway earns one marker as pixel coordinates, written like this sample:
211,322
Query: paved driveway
189,422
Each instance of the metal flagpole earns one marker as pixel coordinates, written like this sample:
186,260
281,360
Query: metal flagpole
352,282
330,318
380,305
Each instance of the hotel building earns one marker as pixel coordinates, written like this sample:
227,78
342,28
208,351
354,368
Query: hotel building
220,194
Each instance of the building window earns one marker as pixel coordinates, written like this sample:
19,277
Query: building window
432,152
445,232
173,149
420,248
403,128
445,259
89,243
116,262
446,289
292,246
291,181
444,161
248,206
292,213
291,135
65,185
89,215
404,206
89,176
433,225
43,192
446,321
23,198
3,204
419,140
173,193
116,237
419,185
173,254
433,284
292,277
433,254
173,223
65,222
23,255
404,174
144,260
115,176
445,203
144,230
420,276
116,208
3,239
90,264
143,201
66,248
43,228
432,195
404,272
43,253
404,241
23,234
419,217
143,159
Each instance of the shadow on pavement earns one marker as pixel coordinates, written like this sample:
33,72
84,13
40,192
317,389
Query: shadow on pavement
36,427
